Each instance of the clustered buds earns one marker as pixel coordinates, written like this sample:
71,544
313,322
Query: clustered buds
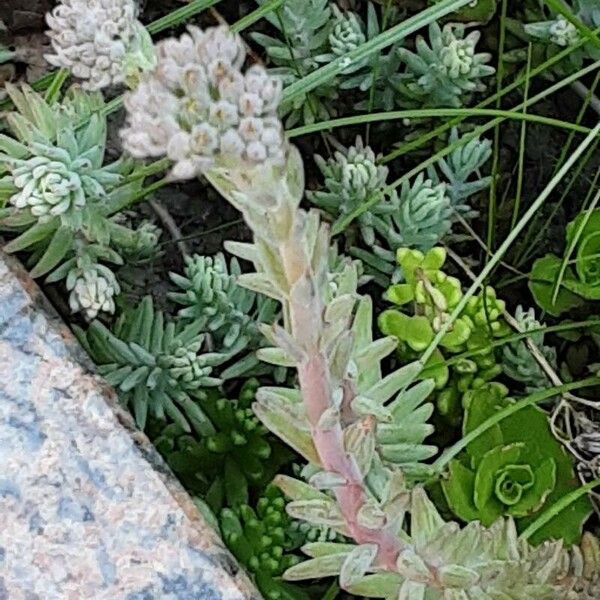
93,289
198,108
99,41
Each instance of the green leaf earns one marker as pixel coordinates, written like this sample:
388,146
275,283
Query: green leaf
60,244
236,485
541,282
458,489
485,478
35,234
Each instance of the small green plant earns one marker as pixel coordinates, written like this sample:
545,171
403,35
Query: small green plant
159,368
259,539
447,71
518,362
417,217
233,455
513,469
228,313
425,300
558,290
60,196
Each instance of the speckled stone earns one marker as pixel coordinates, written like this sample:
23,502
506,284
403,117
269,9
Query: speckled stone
87,507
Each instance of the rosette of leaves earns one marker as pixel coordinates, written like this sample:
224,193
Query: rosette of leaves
233,455
59,194
258,538
518,362
513,470
561,33
229,314
374,75
352,176
304,28
461,171
447,71
158,367
425,300
557,290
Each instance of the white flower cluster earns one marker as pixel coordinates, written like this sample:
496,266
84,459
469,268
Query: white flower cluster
95,39
562,32
93,289
198,108
48,187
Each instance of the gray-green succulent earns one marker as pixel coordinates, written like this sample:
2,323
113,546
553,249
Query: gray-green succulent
445,71
227,313
59,195
158,367
517,360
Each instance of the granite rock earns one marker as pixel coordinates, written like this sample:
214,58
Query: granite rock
88,509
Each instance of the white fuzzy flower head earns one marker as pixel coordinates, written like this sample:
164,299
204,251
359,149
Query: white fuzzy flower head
98,41
93,289
200,110
563,33
48,187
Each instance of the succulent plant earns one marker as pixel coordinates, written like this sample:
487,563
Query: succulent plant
518,362
258,538
351,178
425,300
60,198
374,76
99,41
461,171
233,456
93,287
198,109
417,217
513,470
446,71
156,366
439,560
305,28
229,314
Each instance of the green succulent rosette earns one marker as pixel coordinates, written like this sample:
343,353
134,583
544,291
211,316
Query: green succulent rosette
515,468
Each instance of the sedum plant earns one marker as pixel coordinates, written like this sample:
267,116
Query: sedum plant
374,75
100,42
60,196
513,470
157,367
419,216
560,32
305,29
424,302
230,315
446,71
259,538
234,457
518,362
342,400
